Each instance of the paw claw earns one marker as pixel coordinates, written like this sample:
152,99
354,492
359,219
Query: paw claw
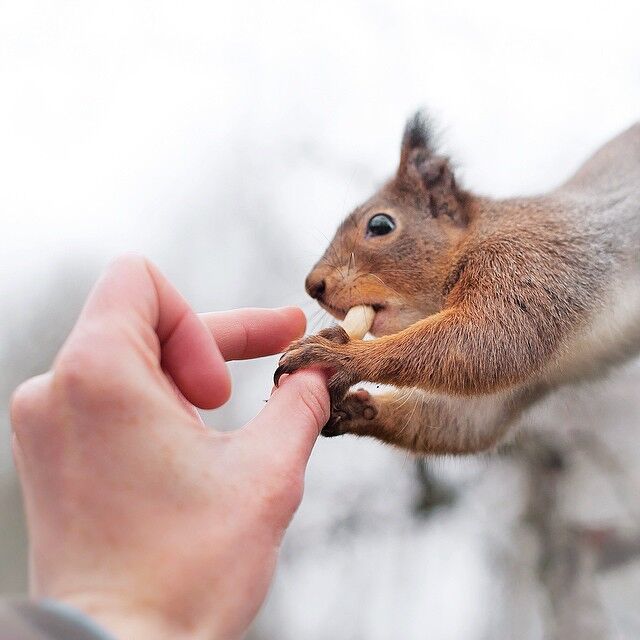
321,350
349,413
330,430
278,374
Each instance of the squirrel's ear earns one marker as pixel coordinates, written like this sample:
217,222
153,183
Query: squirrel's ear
435,176
431,173
418,134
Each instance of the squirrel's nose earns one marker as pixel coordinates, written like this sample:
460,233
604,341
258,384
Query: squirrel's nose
315,288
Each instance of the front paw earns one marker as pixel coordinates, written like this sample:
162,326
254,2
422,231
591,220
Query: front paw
355,410
326,349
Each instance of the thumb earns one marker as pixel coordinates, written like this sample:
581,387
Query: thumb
291,421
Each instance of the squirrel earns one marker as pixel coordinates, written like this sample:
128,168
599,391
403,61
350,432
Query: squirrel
482,306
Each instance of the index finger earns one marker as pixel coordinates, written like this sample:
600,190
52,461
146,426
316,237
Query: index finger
253,333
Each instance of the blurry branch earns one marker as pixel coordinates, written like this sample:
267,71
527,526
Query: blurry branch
602,456
434,493
568,562
612,549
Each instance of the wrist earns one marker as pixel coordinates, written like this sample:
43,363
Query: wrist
134,620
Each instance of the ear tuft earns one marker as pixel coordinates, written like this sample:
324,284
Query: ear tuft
418,132
427,174
418,139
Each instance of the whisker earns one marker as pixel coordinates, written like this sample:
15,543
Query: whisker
332,252
385,284
319,321
415,406
407,395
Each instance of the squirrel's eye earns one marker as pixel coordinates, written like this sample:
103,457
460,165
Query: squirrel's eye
380,225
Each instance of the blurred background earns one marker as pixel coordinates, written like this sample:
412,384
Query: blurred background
226,141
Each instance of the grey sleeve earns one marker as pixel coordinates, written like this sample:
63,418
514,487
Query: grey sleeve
46,620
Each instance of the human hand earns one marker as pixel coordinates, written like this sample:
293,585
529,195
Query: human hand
137,514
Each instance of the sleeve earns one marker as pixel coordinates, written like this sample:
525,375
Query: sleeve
46,620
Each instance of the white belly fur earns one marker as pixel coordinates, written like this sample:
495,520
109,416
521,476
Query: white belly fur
611,337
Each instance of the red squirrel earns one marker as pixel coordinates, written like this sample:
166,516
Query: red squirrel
483,306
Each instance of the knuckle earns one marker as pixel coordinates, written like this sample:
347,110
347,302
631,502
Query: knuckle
22,403
72,367
19,405
78,371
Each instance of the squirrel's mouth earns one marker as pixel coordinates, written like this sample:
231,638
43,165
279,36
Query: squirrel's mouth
340,313
390,317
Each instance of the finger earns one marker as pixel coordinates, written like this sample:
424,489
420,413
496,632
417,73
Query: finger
253,333
290,422
134,311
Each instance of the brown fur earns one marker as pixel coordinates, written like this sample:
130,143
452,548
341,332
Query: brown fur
479,301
